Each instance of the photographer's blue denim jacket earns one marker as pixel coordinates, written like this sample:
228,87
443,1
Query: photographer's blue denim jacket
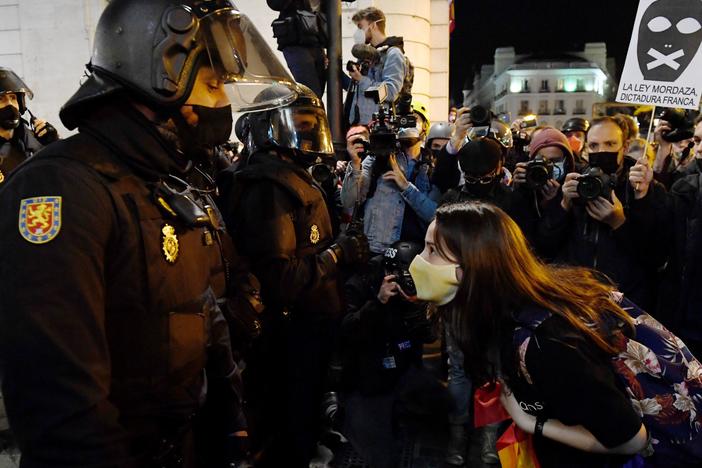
391,70
384,212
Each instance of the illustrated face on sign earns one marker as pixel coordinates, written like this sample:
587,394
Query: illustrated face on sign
669,37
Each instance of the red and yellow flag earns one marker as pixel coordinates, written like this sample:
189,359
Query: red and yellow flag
516,449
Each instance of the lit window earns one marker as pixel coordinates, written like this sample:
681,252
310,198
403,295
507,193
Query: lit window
570,85
516,86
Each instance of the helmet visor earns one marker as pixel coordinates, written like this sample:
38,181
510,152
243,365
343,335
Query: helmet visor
11,83
302,128
496,130
245,63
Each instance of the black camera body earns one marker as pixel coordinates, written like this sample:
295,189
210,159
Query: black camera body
681,126
363,66
538,172
397,260
594,182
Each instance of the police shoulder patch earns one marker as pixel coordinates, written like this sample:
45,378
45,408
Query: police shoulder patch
40,219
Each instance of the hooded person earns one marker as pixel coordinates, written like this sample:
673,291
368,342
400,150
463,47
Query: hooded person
130,358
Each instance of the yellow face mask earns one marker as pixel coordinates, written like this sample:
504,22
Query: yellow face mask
435,283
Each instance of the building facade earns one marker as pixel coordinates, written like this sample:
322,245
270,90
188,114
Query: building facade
554,88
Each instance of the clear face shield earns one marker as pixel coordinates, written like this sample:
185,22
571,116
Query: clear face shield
254,78
303,128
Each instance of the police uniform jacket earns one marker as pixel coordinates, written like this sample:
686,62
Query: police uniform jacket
280,221
110,333
21,146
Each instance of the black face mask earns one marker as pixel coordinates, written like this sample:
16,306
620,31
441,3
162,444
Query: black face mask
214,127
9,118
605,160
481,191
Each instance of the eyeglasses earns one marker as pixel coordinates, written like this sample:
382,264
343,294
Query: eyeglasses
484,180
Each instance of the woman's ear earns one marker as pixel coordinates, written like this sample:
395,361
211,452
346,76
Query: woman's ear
459,274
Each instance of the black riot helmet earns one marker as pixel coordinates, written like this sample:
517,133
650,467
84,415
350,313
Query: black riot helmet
153,49
576,124
300,126
10,83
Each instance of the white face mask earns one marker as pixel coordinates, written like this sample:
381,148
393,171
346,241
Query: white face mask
435,283
359,37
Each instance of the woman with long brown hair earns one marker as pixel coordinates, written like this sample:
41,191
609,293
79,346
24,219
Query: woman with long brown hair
478,266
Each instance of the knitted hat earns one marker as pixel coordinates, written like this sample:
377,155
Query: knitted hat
550,137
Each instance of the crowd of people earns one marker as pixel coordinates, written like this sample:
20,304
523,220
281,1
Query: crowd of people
170,299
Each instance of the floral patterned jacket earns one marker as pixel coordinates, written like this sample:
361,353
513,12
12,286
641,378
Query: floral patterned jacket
661,377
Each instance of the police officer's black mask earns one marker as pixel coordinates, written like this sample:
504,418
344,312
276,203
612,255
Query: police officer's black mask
214,127
9,117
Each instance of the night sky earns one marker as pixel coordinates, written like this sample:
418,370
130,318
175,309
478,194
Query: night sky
541,26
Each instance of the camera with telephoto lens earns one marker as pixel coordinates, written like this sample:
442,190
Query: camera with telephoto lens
366,56
593,183
480,116
538,172
681,126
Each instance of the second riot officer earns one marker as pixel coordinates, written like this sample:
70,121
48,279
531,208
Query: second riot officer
111,339
280,221
19,139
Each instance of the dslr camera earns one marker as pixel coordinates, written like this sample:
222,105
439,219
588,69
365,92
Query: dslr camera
480,116
595,183
363,66
396,262
681,126
538,172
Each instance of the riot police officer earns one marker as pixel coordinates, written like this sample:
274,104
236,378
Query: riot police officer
18,139
111,339
280,221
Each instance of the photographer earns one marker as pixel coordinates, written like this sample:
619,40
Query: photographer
18,139
471,123
383,334
540,180
609,217
550,160
391,69
674,140
393,182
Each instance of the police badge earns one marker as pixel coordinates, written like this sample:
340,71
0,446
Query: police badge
314,234
169,244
